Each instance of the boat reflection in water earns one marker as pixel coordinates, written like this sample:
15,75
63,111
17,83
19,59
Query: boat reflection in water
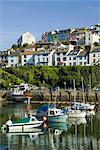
74,134
76,121
59,126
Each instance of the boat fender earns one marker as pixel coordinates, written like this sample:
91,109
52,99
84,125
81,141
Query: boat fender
45,125
44,118
4,128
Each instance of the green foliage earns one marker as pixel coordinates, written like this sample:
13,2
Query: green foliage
53,76
25,45
14,46
7,79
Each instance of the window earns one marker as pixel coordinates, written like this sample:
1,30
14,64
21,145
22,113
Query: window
64,53
12,60
74,64
80,63
58,59
24,60
80,58
64,58
74,58
51,112
93,55
38,59
69,58
93,60
70,64
24,56
84,63
45,54
58,53
47,59
43,59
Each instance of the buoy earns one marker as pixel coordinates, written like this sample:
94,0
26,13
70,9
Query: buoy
44,125
44,118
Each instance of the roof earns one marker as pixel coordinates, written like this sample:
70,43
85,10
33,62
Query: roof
95,49
83,53
29,52
61,51
73,52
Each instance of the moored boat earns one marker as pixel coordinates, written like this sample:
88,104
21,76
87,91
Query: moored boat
56,115
21,125
76,114
82,106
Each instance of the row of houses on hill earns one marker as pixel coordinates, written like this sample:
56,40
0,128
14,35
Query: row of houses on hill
81,36
64,55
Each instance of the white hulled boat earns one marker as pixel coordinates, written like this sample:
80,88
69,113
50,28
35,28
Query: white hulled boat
22,125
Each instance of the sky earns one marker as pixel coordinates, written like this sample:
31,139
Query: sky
38,16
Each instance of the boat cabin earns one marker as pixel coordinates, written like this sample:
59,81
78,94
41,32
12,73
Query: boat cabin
55,112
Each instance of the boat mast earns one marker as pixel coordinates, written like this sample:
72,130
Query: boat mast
90,83
74,90
83,89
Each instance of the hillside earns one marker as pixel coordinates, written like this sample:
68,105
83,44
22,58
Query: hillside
50,76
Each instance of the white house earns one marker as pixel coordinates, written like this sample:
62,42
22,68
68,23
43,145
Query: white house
94,56
43,58
83,58
60,55
26,38
87,37
27,58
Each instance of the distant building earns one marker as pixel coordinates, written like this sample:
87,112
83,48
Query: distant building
9,58
94,56
43,58
60,55
27,58
26,38
57,36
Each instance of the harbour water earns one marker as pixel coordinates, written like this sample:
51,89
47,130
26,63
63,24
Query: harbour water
75,134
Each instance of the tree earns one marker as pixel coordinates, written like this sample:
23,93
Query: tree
25,45
14,46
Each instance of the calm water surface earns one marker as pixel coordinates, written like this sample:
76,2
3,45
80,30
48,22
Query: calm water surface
75,134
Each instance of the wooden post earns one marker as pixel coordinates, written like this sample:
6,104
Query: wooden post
69,96
60,95
96,98
86,96
51,95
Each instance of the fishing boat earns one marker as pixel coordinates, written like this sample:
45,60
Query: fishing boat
56,115
21,125
50,113
17,92
43,110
